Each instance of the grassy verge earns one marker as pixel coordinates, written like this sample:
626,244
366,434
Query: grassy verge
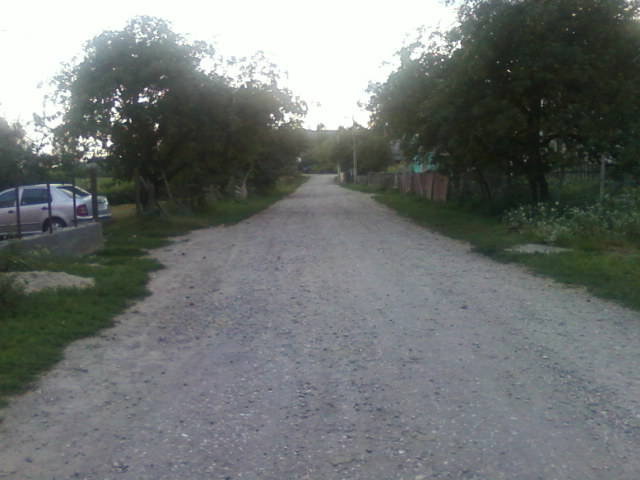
612,274
35,328
130,235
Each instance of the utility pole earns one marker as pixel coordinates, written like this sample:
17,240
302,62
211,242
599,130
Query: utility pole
355,154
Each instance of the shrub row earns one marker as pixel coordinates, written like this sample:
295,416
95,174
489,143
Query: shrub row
613,219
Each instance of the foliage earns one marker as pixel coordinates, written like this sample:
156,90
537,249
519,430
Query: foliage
117,191
318,154
142,99
520,87
612,273
12,152
328,149
374,152
614,220
19,164
485,232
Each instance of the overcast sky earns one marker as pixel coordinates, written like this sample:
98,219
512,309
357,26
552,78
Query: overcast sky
330,49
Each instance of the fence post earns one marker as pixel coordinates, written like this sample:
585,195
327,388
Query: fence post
602,176
433,185
94,192
75,213
18,220
49,207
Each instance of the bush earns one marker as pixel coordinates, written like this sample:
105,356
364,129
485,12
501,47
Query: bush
118,192
614,219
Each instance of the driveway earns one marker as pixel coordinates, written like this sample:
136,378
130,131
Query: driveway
328,338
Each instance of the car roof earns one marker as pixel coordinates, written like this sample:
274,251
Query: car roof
42,185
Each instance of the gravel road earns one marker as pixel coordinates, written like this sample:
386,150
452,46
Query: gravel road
328,338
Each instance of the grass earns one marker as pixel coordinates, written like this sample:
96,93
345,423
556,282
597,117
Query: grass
484,232
613,274
128,233
34,333
610,275
35,328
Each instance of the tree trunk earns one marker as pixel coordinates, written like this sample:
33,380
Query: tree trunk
167,187
138,191
538,187
484,185
241,190
150,203
536,168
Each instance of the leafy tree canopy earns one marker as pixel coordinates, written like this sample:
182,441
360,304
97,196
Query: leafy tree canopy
518,82
141,97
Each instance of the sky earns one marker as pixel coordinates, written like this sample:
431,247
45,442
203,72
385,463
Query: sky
329,49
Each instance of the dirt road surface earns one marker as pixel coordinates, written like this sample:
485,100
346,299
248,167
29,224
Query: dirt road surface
328,338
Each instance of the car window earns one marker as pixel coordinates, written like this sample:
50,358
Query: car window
8,199
69,189
66,192
34,196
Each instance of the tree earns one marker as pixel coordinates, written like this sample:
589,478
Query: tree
517,81
263,119
115,97
141,98
13,153
19,164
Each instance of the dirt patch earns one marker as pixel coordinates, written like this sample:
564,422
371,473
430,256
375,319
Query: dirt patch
41,280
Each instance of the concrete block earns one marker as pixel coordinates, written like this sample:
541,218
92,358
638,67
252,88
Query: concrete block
72,241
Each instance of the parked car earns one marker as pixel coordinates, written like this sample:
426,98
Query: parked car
34,209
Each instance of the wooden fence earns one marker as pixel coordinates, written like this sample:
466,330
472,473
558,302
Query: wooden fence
430,185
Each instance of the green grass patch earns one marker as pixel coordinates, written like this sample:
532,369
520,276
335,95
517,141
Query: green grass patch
35,328
34,332
486,233
606,270
127,233
610,275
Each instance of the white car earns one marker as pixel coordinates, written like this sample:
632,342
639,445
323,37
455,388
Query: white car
34,208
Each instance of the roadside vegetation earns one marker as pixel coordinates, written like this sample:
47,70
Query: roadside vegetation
179,137
516,104
603,255
164,118
35,328
328,150
518,91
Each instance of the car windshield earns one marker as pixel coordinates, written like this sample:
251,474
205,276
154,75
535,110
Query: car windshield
69,189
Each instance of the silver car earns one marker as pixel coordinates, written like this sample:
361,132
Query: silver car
34,209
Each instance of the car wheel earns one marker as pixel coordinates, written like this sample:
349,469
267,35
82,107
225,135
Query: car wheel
56,224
